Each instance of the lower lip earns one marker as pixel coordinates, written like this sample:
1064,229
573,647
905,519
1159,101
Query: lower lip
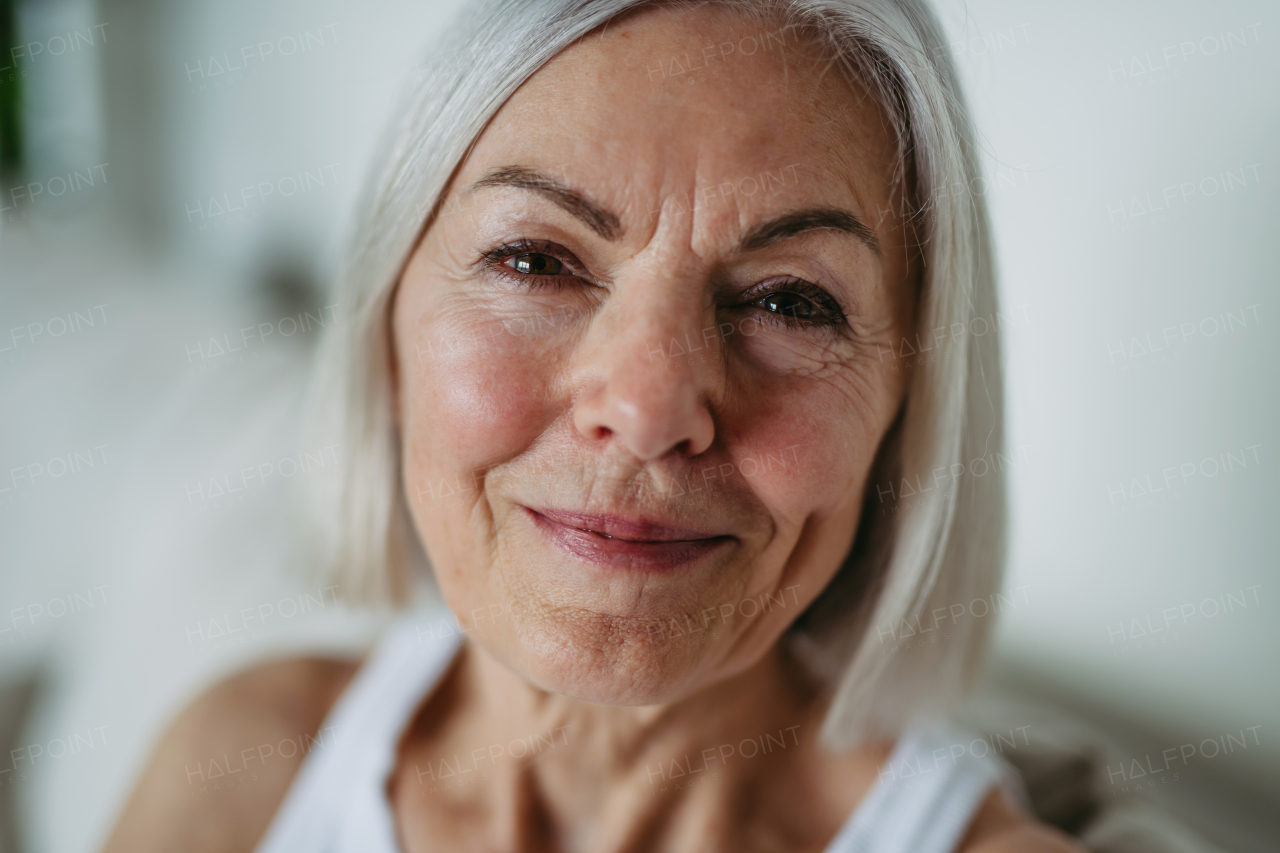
623,553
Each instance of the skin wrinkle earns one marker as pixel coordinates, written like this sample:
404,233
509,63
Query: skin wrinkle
581,415
564,611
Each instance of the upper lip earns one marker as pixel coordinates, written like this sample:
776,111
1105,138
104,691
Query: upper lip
635,529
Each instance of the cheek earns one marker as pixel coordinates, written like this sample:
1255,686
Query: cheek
806,445
475,395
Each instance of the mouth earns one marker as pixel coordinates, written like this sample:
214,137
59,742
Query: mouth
618,542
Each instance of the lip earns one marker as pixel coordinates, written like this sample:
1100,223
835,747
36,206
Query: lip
635,543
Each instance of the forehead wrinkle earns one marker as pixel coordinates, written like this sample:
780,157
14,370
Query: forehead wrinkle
707,239
843,141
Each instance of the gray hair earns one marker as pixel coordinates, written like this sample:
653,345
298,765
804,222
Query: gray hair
911,559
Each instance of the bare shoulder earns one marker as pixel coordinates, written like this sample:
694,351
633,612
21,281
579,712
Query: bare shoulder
223,767
999,828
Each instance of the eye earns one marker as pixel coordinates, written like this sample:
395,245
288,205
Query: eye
791,304
532,264
536,263
795,303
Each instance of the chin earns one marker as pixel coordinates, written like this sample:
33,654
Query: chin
605,659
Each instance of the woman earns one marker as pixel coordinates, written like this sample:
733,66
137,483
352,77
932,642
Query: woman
660,314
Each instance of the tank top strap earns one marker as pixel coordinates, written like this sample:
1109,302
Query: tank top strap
337,803
928,793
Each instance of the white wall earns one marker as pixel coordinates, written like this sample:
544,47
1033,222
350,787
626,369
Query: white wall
1103,262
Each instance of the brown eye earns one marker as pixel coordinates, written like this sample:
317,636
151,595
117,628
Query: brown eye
536,263
790,304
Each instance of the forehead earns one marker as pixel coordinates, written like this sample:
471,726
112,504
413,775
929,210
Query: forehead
670,100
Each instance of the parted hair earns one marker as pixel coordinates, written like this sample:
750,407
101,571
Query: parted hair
932,532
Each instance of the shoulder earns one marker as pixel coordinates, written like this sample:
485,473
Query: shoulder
1000,828
222,769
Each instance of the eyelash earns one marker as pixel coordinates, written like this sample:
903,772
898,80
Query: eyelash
495,260
828,310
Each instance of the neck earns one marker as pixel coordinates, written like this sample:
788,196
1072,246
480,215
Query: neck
565,774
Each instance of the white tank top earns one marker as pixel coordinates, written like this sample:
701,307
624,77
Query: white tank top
923,802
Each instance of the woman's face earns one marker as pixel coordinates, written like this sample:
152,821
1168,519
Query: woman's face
644,354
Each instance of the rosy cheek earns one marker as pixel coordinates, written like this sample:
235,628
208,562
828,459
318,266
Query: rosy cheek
801,453
479,398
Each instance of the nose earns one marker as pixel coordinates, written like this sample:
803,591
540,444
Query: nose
652,376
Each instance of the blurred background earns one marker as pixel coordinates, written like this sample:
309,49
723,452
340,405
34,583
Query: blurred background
176,182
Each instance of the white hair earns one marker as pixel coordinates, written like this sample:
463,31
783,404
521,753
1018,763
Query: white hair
912,558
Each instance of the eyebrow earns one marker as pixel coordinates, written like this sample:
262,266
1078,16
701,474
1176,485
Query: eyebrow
609,227
803,221
592,215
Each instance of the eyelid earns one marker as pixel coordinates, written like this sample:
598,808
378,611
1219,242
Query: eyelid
496,257
830,307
